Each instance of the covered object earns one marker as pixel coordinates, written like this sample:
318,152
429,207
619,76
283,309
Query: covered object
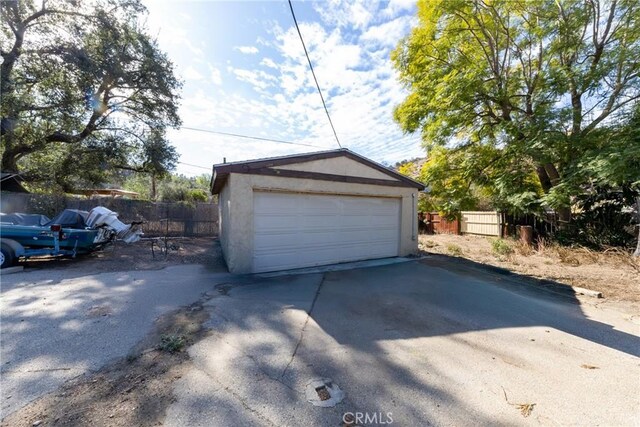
313,209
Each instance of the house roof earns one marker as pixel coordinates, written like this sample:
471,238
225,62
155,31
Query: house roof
267,167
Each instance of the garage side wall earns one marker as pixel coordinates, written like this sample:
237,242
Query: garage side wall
224,218
239,246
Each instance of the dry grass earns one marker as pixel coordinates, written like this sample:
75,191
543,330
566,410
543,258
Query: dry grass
524,408
614,272
585,366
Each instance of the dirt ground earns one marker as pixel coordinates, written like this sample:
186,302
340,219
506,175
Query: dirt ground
132,391
148,254
614,273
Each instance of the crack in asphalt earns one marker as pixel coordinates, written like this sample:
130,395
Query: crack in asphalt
236,396
253,359
304,327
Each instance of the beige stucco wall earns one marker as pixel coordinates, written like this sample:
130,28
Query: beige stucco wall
338,166
237,242
224,216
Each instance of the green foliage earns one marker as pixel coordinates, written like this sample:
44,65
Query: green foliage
516,99
179,188
172,343
80,104
604,217
171,188
180,194
501,247
454,249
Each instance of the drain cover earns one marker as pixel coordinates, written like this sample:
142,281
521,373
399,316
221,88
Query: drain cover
324,393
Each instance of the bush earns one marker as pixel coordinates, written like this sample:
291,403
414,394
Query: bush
501,247
605,218
172,343
454,250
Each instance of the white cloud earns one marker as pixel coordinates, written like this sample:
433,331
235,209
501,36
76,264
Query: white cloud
389,33
192,74
396,6
268,62
216,77
275,96
259,79
249,50
343,13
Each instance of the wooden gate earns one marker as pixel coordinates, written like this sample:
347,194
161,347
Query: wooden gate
436,224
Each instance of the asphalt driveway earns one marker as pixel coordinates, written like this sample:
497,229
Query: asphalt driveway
427,342
420,343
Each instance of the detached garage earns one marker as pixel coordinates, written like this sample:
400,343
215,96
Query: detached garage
313,209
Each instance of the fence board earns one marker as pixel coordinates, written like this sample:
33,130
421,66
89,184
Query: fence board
480,222
160,218
439,225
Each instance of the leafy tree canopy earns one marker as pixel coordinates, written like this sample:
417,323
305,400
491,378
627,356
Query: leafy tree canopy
522,99
171,188
85,91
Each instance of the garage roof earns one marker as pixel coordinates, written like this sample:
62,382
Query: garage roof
267,167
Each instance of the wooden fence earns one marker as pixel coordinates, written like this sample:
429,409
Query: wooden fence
160,218
481,223
436,224
488,223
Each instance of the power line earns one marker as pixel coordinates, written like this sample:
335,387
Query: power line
250,137
195,166
324,104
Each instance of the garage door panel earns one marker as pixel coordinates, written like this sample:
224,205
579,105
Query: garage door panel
301,230
324,222
273,241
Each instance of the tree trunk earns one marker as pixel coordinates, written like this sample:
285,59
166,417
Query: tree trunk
549,177
564,213
637,252
545,182
153,187
9,161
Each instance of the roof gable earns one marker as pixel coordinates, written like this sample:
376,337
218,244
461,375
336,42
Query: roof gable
305,166
341,165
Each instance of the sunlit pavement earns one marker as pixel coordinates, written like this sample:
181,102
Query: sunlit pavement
413,343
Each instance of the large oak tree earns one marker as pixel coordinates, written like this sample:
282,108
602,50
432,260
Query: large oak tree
85,91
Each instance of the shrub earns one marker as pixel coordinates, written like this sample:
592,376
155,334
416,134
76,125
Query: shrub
454,249
172,343
523,249
430,244
501,247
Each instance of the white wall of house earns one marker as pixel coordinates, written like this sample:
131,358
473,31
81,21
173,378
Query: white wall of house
237,210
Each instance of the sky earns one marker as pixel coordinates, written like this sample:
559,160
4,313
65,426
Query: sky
245,72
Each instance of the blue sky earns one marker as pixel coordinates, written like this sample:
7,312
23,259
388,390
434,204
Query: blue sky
245,72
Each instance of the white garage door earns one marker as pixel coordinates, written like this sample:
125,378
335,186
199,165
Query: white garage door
304,230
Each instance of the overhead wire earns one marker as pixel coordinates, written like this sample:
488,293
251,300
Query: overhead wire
237,135
324,104
194,166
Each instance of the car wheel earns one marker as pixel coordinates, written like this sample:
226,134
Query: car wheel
7,256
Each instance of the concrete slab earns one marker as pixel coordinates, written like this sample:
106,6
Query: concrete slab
415,343
419,344
338,267
54,329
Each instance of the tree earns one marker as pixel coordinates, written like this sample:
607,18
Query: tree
171,187
525,88
83,89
